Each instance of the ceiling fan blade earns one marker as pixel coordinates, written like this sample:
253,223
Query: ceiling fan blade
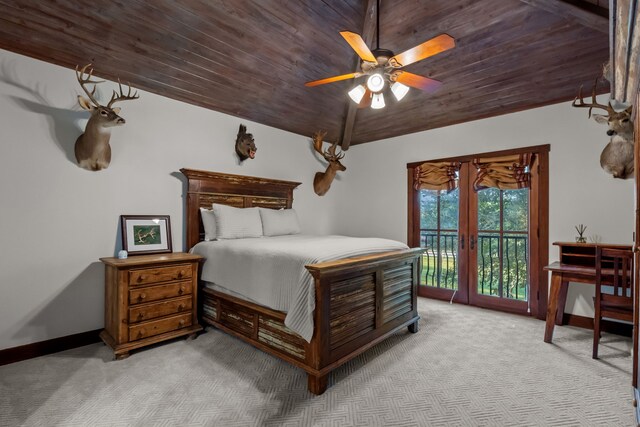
429,48
366,99
418,82
357,44
333,79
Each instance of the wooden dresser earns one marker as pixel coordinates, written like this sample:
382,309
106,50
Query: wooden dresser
148,299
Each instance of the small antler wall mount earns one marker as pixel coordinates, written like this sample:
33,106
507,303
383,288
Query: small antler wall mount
322,181
92,148
617,156
245,145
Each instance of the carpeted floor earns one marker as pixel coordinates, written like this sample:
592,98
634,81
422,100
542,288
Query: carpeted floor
466,367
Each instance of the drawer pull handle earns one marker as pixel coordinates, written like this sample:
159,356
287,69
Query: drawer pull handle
140,316
181,323
181,291
141,278
181,307
141,333
181,273
141,297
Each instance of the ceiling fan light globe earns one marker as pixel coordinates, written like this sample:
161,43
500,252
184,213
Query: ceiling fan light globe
377,102
399,90
375,82
357,93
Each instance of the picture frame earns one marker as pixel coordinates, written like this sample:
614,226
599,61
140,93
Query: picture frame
146,234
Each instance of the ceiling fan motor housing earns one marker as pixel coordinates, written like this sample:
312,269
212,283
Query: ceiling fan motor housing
382,56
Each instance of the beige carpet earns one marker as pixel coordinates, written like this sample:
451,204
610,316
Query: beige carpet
466,367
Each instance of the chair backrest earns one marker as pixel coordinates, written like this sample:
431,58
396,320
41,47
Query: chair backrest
614,267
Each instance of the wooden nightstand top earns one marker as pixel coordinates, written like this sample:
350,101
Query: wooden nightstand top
138,260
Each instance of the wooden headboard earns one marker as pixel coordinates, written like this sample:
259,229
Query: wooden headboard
205,188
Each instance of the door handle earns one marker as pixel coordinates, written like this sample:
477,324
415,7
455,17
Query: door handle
473,242
462,242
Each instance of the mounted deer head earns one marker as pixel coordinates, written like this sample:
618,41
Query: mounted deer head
92,148
617,156
322,181
245,145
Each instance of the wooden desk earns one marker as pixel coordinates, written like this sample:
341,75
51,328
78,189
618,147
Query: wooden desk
577,264
561,275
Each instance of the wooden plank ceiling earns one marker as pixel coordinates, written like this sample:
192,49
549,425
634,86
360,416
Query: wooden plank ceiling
251,58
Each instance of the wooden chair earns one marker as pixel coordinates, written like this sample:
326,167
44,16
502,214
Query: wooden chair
614,288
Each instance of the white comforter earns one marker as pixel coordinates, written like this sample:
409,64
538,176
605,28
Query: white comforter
270,270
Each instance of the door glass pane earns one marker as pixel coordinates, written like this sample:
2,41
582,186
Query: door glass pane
448,260
489,209
439,213
428,209
488,263
516,208
449,214
514,266
503,244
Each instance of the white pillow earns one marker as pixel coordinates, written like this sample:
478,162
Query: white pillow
237,223
209,223
279,222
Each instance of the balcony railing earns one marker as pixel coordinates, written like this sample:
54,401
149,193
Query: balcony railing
513,282
440,260
502,271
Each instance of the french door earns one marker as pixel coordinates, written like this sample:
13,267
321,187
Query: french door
481,247
443,226
499,249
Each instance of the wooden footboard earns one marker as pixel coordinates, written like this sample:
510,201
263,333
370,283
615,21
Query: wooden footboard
359,302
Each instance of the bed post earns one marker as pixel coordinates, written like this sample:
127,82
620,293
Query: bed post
317,384
193,232
417,268
318,355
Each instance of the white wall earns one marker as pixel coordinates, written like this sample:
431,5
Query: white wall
373,200
56,219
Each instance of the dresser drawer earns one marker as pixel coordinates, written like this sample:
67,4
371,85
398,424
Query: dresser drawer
159,274
142,312
156,327
155,293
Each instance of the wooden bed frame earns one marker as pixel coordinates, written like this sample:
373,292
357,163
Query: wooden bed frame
359,301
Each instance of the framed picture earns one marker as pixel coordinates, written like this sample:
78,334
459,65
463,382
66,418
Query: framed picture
146,234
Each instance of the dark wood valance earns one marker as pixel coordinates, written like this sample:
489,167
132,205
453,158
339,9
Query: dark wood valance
506,172
436,176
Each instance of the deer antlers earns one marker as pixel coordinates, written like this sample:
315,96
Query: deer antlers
85,77
329,154
117,97
80,74
593,104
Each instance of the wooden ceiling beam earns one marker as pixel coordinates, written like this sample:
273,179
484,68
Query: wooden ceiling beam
368,30
586,14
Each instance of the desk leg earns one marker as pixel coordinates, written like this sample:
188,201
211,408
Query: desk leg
562,301
556,285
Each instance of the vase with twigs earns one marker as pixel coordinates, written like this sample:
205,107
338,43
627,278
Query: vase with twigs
581,229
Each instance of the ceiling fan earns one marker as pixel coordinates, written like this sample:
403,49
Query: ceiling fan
382,67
